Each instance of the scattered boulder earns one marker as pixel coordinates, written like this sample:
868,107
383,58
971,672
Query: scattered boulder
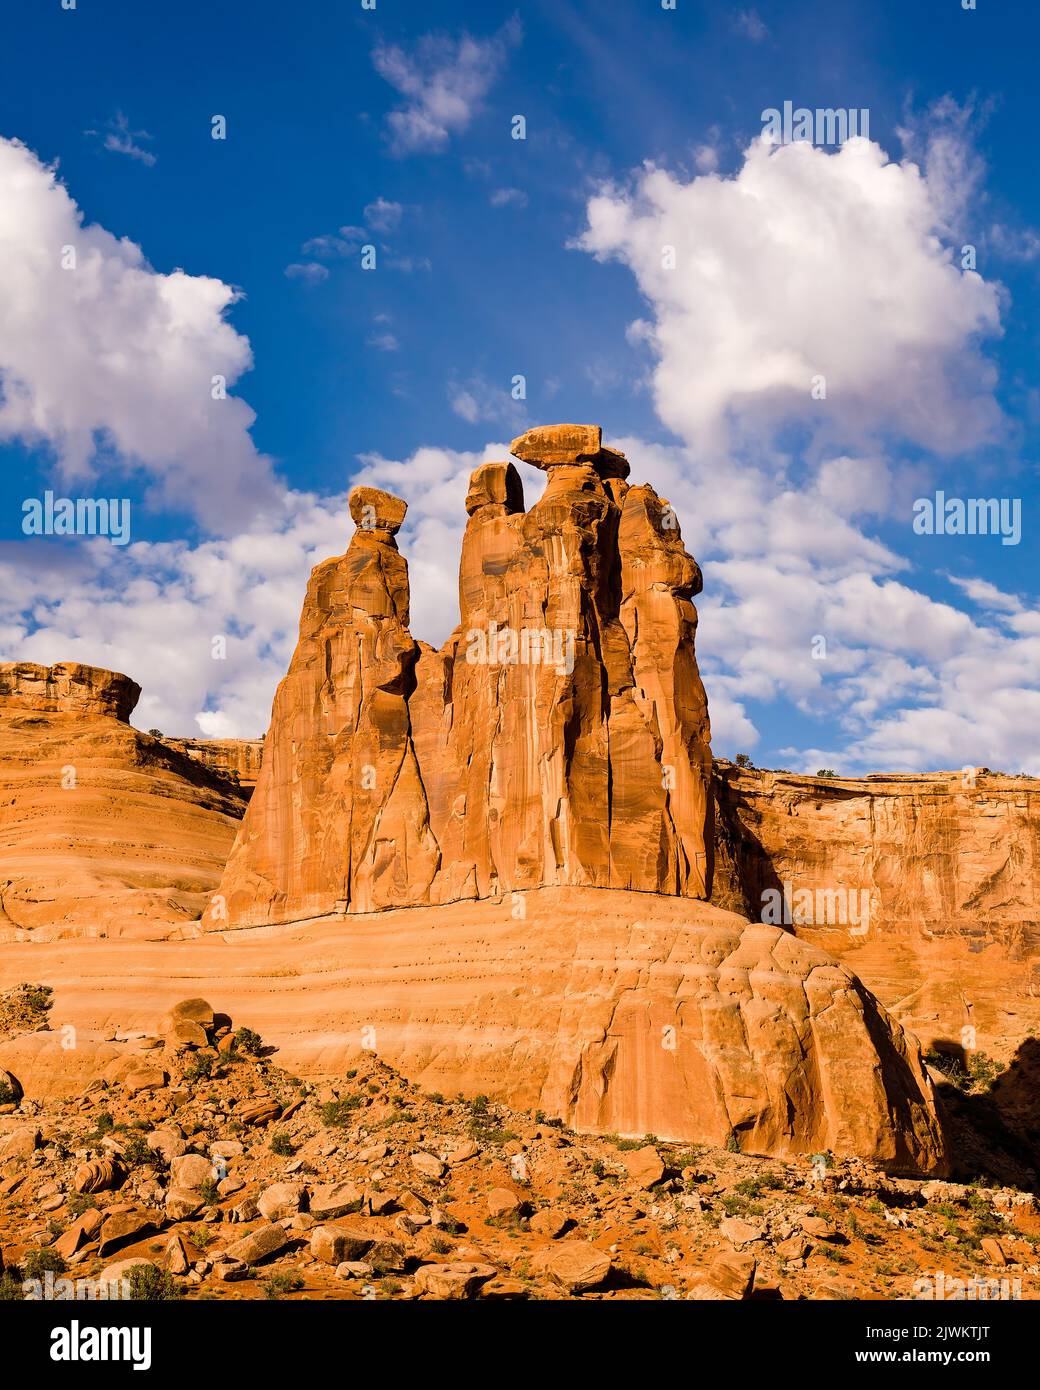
575,1265
428,1165
329,1200
645,1166
123,1227
502,1204
452,1281
190,1171
182,1203
99,1175
259,1245
548,1222
20,1143
281,1200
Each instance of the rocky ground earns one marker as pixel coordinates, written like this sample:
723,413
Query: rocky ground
195,1167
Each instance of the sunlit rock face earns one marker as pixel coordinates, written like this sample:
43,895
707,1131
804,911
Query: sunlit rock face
559,737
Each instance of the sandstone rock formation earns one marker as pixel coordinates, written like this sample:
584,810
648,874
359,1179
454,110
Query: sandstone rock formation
67,688
560,736
237,758
359,1176
616,1011
102,828
947,866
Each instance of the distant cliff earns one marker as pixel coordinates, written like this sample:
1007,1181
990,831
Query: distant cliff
947,866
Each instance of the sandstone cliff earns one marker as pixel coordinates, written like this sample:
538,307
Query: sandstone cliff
103,830
560,736
616,1011
946,866
238,759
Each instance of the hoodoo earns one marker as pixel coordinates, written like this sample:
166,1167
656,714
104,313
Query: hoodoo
559,737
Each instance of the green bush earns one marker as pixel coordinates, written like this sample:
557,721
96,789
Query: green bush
149,1284
249,1042
201,1067
38,1262
278,1284
338,1113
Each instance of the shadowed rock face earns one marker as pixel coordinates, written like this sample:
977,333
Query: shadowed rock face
559,737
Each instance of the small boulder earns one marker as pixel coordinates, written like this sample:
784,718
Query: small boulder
575,1265
645,1166
452,1281
191,1171
259,1245
428,1165
281,1200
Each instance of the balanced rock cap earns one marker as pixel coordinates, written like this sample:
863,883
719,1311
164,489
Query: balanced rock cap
549,446
376,510
495,484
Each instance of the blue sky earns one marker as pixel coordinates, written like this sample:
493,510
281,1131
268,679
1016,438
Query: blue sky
495,257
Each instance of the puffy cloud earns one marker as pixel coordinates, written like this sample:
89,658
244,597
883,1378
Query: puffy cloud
808,263
804,264
443,81
101,351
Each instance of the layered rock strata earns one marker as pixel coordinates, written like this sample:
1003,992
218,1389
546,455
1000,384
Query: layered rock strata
616,1011
103,829
927,885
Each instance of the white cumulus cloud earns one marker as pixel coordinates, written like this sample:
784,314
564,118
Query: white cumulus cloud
100,350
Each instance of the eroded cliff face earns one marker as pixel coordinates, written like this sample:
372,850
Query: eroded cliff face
238,759
104,831
560,736
67,688
927,885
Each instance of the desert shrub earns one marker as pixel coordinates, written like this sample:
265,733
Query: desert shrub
279,1284
200,1068
249,1042
37,1263
149,1284
338,1113
281,1144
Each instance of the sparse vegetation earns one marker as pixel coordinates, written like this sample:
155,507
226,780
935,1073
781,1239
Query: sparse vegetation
148,1284
337,1114
281,1144
279,1284
248,1042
